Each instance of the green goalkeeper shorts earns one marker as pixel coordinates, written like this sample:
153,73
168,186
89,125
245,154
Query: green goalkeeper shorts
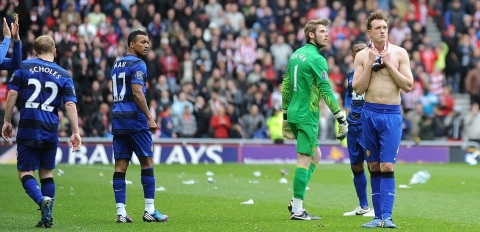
307,137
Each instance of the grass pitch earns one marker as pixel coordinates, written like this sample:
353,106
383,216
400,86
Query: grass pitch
449,201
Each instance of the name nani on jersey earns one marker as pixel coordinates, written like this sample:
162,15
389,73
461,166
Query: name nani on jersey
45,70
299,56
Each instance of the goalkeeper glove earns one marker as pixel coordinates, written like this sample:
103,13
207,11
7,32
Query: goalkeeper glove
286,130
342,125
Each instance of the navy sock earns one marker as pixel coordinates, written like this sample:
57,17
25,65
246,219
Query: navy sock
375,182
388,193
30,184
48,189
360,183
119,187
148,182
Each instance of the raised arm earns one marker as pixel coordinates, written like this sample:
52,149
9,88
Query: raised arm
402,76
362,72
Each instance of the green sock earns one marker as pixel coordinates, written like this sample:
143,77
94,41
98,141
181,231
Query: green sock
300,181
311,169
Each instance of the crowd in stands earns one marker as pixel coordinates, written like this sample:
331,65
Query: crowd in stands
215,67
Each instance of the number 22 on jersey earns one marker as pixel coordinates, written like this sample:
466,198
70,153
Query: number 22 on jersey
30,104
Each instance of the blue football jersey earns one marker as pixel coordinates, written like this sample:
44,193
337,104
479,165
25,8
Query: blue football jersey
41,87
354,102
127,116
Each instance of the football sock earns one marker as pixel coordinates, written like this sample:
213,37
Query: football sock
360,183
311,169
297,206
300,181
375,181
48,189
119,188
387,187
30,185
148,182
121,209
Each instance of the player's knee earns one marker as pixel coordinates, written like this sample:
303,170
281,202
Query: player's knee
388,175
358,173
119,175
357,168
147,172
25,178
47,181
375,174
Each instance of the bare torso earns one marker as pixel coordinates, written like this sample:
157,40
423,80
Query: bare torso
382,89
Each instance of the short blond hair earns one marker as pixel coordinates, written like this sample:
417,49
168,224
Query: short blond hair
44,44
312,25
374,16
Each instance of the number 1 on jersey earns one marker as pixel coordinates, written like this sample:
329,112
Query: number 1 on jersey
116,96
295,77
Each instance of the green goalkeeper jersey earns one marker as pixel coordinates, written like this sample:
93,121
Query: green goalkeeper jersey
305,82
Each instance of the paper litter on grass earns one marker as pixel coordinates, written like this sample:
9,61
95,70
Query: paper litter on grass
257,173
210,180
253,181
249,202
189,181
283,181
160,189
60,172
128,182
209,173
404,186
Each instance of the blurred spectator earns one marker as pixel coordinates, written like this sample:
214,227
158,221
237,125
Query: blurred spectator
454,123
274,124
203,114
472,123
251,121
446,102
415,118
472,84
220,123
166,123
187,126
236,131
170,67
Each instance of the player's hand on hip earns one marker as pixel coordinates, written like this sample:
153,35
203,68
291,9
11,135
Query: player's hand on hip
6,29
6,131
152,125
75,141
286,130
342,125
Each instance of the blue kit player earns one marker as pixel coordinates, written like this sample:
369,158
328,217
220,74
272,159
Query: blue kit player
40,85
132,125
356,146
381,72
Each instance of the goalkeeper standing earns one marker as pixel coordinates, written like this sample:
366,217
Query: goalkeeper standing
305,82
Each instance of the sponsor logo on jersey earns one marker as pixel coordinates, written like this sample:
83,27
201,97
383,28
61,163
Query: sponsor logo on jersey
324,75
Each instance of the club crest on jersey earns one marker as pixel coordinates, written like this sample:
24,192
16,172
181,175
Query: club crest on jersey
324,75
139,75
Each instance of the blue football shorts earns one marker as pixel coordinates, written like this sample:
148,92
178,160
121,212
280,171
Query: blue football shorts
382,131
33,158
355,144
125,145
